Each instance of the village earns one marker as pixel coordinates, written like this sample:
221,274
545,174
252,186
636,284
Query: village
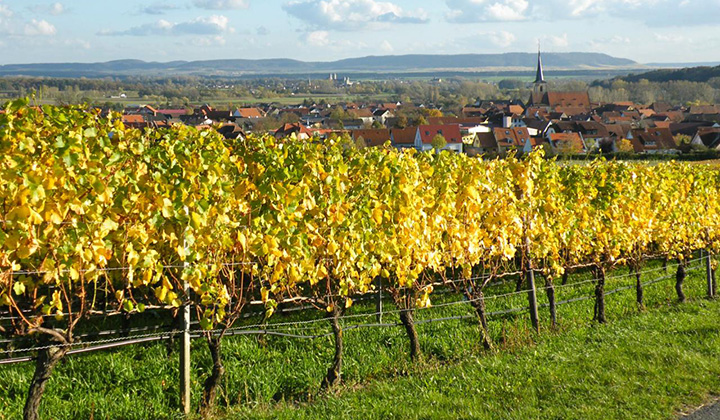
561,122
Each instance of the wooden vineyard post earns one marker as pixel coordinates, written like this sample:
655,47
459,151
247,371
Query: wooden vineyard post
378,302
638,287
600,295
185,356
185,344
532,293
709,271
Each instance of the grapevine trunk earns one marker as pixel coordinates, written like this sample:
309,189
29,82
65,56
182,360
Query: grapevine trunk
638,288
679,280
406,317
333,376
478,302
550,290
46,361
212,383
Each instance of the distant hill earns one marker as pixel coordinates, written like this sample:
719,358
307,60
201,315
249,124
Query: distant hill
396,63
690,74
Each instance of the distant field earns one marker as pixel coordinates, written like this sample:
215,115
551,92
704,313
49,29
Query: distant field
236,101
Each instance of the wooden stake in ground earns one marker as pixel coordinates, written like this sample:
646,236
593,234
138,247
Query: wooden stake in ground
532,292
709,273
550,290
600,294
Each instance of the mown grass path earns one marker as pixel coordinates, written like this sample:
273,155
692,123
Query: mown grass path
648,366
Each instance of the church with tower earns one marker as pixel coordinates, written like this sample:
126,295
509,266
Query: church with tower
570,103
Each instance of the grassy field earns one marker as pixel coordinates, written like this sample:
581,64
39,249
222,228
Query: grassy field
643,364
224,102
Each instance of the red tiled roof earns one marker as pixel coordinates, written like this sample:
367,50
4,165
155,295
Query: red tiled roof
455,120
172,112
405,136
451,133
133,119
249,113
372,137
511,137
361,113
652,139
289,128
487,141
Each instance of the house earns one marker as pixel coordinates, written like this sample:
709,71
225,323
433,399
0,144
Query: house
347,124
172,114
381,115
482,144
372,137
517,138
656,140
248,113
134,121
573,102
231,131
593,133
704,109
390,106
708,137
288,129
469,112
450,132
464,122
403,138
364,114
567,143
539,128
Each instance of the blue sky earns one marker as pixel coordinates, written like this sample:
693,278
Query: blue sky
166,30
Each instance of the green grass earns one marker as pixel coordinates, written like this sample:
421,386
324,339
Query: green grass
645,367
642,365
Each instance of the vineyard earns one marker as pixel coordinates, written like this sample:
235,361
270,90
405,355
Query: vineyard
186,232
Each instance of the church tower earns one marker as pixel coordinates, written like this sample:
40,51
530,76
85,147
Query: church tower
539,85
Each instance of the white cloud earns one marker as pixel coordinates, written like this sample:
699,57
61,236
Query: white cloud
39,28
386,46
318,38
651,12
158,8
556,41
210,25
670,38
350,14
5,11
77,43
57,9
209,41
466,11
614,40
54,9
222,4
324,39
501,39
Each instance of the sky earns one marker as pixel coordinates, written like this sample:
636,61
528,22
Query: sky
324,30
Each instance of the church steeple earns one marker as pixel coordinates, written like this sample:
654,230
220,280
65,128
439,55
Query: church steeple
539,77
539,85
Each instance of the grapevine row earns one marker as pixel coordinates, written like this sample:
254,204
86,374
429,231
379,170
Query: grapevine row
93,213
